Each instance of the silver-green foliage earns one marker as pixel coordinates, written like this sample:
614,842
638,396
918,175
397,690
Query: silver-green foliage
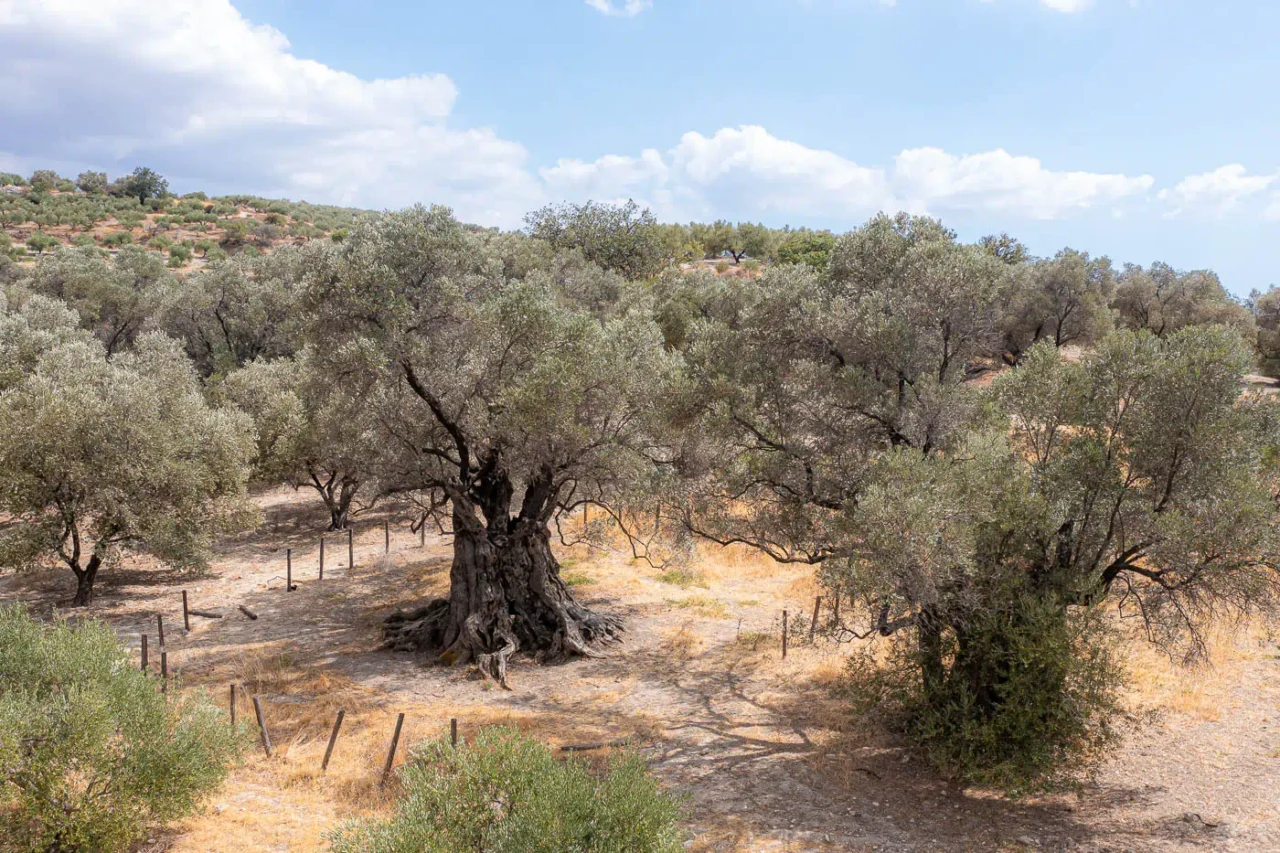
100,453
91,752
506,793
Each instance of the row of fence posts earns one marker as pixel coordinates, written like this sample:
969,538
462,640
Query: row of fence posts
265,734
290,586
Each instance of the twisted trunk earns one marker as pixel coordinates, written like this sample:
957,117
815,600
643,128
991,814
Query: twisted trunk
506,596
84,581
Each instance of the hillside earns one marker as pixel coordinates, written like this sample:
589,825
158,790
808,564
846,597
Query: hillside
189,230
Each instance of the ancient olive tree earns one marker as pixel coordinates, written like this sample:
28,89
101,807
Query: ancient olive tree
1137,478
1064,299
505,403
799,382
1163,300
102,453
622,238
314,429
114,298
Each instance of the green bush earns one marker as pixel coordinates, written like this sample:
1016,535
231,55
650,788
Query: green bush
91,752
1026,703
42,243
179,255
118,238
506,793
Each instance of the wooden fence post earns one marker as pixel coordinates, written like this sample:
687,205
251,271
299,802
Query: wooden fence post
784,635
813,626
386,533
160,629
391,753
232,705
144,652
453,732
164,671
262,725
333,738
186,614
351,553
288,570
321,558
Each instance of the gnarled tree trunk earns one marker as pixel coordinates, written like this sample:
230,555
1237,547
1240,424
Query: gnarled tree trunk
506,596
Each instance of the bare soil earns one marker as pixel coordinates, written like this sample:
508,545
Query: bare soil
762,746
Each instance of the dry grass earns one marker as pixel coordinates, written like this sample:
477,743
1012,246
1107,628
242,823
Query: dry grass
1158,682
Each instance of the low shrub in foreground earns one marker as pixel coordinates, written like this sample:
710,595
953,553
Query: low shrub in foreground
506,793
91,752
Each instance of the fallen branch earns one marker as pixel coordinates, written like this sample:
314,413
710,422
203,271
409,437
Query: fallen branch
207,614
247,612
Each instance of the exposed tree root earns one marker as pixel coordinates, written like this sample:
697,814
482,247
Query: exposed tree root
505,597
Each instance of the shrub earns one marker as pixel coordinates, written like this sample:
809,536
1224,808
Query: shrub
83,240
722,267
9,179
450,798
91,752
1048,717
118,238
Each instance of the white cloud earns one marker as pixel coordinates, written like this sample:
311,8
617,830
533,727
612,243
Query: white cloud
194,89
629,8
749,170
1214,193
999,182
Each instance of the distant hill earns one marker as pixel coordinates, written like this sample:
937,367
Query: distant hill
190,230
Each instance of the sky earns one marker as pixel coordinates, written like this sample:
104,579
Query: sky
1140,129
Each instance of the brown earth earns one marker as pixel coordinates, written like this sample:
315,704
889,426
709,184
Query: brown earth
762,747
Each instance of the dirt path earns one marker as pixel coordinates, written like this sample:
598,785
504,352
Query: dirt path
760,745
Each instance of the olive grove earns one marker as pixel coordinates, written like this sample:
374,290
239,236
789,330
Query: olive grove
978,450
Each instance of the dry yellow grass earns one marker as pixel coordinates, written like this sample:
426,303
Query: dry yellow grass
1201,691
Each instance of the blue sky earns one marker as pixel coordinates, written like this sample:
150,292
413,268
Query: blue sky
1141,129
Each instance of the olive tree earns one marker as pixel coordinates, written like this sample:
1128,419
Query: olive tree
505,403
1064,299
234,312
622,238
30,326
101,453
114,297
798,382
1266,314
94,183
1162,300
314,429
1136,478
